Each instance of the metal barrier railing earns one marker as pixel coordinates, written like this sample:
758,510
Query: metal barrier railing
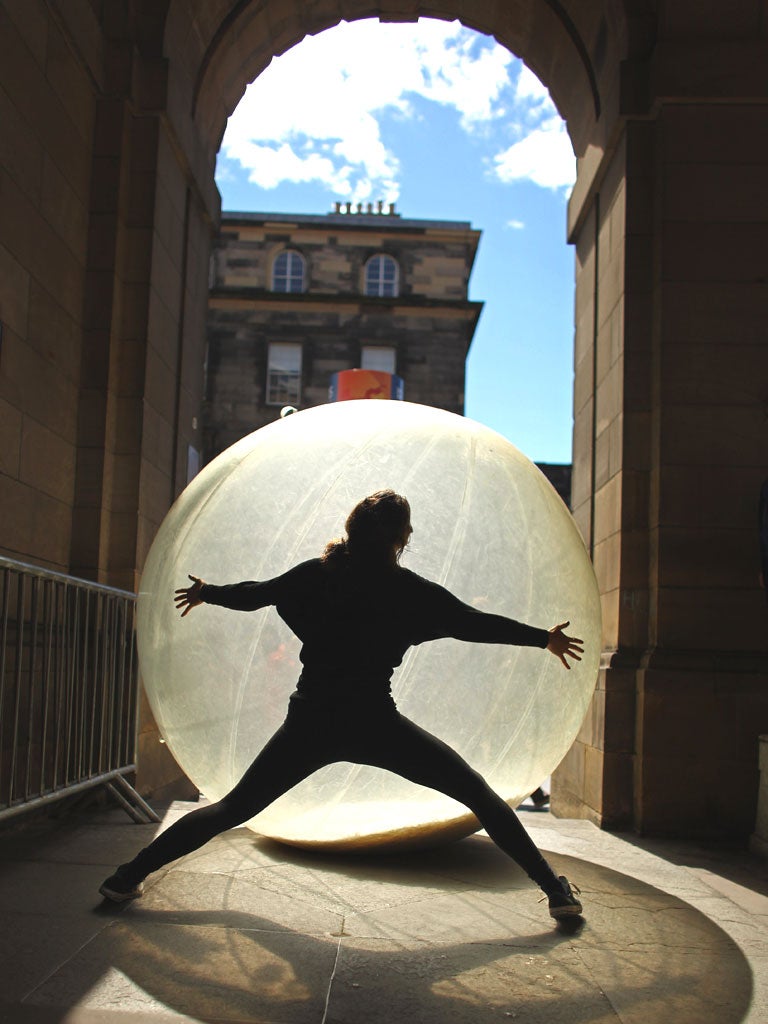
68,689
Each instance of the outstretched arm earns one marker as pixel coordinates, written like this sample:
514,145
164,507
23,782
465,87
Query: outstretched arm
188,598
248,596
564,646
441,614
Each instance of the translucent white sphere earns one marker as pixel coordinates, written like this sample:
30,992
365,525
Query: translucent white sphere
486,524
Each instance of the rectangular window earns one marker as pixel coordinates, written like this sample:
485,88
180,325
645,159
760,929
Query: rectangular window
378,357
284,374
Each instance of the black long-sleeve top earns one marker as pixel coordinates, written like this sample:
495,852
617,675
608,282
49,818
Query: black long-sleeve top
355,625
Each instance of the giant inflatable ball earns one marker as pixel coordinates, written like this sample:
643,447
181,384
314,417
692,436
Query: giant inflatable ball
487,525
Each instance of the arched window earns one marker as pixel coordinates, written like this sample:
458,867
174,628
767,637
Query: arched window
381,276
288,272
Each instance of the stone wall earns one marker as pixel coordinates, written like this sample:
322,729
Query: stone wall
670,446
48,110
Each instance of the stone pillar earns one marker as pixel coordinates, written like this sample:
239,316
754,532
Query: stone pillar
670,447
143,354
702,695
112,367
174,294
610,478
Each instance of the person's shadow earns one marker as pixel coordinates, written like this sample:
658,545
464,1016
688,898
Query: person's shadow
273,974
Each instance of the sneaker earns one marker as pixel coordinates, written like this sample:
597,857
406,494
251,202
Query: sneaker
118,889
539,798
565,904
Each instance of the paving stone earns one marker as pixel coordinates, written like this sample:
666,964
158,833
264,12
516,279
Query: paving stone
210,973
237,850
50,890
245,930
106,845
230,900
668,983
514,918
342,894
27,1014
32,949
471,983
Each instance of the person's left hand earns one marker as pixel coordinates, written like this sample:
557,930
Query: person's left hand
564,646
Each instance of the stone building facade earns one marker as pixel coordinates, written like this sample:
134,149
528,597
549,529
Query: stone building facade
296,298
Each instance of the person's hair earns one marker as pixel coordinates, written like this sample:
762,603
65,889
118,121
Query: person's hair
373,527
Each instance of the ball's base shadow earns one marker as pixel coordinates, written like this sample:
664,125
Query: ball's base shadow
464,858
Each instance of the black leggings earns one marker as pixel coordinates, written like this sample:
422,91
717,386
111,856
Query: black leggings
311,737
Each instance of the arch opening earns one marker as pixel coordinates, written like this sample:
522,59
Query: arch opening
572,49
444,124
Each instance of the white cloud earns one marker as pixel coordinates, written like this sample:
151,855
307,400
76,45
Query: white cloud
272,165
470,81
314,114
544,156
529,87
516,225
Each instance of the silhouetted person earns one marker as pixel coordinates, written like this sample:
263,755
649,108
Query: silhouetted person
356,612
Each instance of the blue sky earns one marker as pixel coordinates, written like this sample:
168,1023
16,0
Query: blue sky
450,126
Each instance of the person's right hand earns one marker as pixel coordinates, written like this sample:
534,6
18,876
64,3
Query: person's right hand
188,598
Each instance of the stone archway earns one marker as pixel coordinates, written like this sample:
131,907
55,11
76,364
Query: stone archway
575,49
616,79
665,109
566,49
